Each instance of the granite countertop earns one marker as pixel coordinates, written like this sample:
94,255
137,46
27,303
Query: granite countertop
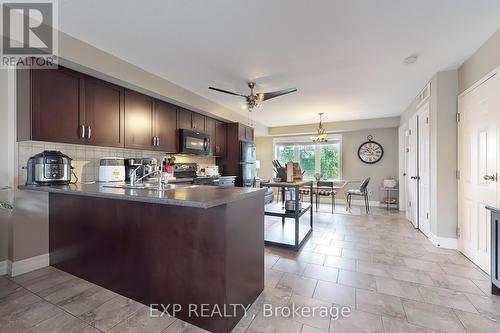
198,196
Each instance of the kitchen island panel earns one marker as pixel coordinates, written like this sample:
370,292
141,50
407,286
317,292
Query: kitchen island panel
162,254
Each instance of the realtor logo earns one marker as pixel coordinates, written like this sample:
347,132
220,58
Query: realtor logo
29,35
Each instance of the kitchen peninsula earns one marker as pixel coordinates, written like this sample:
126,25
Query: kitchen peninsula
182,245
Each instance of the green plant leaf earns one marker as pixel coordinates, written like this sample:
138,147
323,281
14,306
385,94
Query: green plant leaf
4,205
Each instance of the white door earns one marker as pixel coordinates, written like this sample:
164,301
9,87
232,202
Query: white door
412,181
478,166
423,177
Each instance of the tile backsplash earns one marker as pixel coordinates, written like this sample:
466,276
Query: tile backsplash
86,158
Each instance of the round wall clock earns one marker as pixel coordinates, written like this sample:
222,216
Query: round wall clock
370,152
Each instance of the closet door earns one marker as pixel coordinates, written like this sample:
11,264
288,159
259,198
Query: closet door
478,128
424,164
412,184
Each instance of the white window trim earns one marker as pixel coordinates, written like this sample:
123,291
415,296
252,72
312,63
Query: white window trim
302,140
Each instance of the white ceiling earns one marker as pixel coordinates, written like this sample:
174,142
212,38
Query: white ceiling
345,57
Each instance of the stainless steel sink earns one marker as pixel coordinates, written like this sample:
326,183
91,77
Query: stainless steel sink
151,186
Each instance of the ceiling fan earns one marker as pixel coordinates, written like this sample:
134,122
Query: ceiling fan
254,99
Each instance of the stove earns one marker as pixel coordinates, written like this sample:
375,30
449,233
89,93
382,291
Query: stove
185,170
188,171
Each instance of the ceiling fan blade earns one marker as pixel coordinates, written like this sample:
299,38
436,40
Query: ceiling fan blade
265,96
226,91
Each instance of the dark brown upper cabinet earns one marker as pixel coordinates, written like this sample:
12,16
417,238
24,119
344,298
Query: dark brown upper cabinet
139,121
184,119
53,100
62,105
104,113
210,130
190,120
198,121
220,139
245,133
165,123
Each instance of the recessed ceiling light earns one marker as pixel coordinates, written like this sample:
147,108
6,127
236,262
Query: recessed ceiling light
411,59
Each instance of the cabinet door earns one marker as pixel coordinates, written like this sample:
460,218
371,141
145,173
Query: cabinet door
104,116
184,119
166,127
220,139
210,130
56,105
139,110
241,132
198,121
249,133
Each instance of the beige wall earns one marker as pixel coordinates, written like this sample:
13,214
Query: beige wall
443,151
387,167
483,61
352,167
265,154
4,166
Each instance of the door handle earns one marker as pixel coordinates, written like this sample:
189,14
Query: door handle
415,177
82,131
492,177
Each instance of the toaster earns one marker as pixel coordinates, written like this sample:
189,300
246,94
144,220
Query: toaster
111,169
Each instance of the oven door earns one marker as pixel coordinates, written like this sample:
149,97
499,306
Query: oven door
195,143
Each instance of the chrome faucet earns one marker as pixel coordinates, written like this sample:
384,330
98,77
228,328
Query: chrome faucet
134,180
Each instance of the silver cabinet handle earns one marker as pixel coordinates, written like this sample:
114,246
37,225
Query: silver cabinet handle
82,133
157,140
154,140
488,177
89,132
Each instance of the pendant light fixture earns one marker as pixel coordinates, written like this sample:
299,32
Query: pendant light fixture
321,136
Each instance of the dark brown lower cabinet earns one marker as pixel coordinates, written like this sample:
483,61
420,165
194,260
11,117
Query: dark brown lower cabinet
163,254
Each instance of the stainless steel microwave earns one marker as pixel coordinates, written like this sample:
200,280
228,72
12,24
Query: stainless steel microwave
195,143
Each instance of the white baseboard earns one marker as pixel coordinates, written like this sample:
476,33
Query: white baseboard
444,242
3,267
27,265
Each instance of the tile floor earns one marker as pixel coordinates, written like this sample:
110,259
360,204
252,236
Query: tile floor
389,274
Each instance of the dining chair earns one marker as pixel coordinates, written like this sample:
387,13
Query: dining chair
362,191
325,188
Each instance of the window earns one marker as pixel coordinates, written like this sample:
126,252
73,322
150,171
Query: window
324,158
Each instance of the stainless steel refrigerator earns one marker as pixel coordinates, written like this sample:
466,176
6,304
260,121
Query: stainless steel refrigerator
247,164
